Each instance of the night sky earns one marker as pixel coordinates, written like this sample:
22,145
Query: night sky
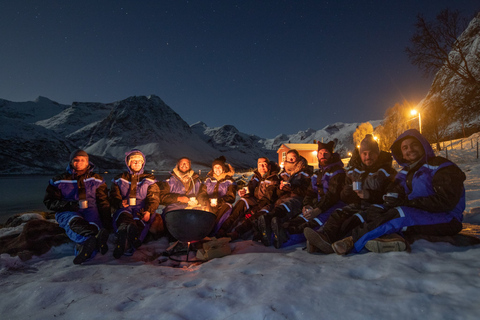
266,67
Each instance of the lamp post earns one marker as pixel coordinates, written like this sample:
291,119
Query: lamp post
414,112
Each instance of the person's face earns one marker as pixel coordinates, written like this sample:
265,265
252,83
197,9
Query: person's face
368,157
262,166
291,157
323,156
412,150
184,165
217,169
136,165
80,163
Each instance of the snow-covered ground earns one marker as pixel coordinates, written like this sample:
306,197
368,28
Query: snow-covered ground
434,281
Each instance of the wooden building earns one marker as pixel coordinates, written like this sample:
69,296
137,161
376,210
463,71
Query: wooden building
306,150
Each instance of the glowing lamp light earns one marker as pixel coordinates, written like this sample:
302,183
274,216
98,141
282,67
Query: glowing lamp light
414,112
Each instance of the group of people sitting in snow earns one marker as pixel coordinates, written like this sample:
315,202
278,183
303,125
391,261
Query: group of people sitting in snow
334,210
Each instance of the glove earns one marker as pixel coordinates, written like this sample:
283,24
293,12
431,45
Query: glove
392,199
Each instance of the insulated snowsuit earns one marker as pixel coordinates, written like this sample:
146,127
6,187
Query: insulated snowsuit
173,188
261,190
426,199
63,194
375,180
141,186
224,190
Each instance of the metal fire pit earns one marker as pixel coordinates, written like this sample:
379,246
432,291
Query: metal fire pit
188,225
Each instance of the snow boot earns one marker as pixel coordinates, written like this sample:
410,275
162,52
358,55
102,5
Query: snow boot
318,240
265,229
120,239
387,243
102,240
279,234
344,246
311,248
133,236
86,250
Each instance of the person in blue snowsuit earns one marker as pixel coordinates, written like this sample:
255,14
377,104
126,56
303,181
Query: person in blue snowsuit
134,196
426,198
181,189
79,198
370,171
218,191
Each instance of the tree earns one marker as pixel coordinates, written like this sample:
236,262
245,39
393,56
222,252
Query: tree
436,44
397,120
361,131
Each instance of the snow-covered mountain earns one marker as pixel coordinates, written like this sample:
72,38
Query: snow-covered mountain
239,148
75,117
40,136
341,133
31,111
148,124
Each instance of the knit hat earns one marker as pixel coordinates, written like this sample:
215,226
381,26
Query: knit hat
329,146
369,144
220,161
78,153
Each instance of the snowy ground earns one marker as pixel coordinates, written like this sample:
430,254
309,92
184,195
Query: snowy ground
434,281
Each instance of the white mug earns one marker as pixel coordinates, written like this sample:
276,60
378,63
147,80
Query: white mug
357,185
246,189
213,202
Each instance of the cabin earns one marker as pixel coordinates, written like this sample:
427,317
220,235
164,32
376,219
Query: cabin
306,150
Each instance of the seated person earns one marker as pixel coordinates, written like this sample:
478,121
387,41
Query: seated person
370,170
323,195
294,182
240,222
426,198
79,198
135,197
218,191
181,189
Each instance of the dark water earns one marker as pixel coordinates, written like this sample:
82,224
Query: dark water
24,193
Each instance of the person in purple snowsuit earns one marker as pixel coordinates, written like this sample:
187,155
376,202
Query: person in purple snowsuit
426,198
79,198
218,191
134,196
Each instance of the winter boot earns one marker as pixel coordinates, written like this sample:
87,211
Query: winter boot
85,250
311,248
387,243
120,239
344,246
133,236
279,234
264,227
318,240
102,240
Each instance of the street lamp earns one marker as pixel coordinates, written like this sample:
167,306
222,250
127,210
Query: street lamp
414,112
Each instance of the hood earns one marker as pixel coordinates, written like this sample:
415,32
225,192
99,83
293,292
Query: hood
411,133
127,154
224,175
